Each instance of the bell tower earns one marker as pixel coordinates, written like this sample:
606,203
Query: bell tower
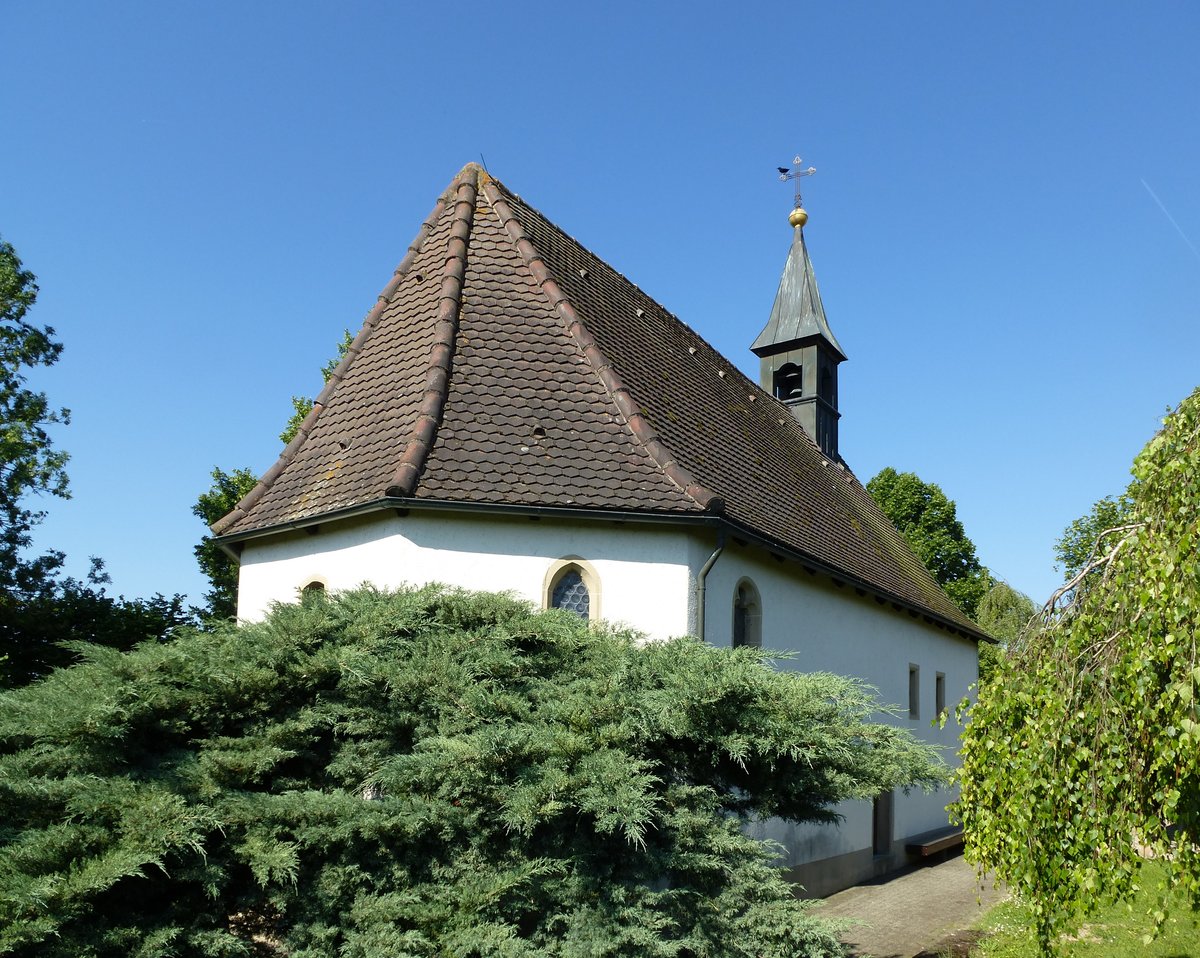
797,351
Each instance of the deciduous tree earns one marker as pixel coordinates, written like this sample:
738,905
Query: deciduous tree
1003,613
1085,756
302,405
1077,546
929,521
226,491
424,773
29,463
38,630
39,609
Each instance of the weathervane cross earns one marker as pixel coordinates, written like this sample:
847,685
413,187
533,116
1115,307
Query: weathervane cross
794,174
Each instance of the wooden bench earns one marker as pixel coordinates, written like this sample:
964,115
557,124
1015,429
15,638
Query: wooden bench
938,840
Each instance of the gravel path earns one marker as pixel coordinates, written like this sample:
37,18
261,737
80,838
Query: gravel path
911,913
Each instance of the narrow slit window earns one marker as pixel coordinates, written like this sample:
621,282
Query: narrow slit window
914,692
747,616
940,693
881,824
825,391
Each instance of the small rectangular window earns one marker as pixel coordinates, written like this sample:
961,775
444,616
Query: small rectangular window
940,693
881,824
914,692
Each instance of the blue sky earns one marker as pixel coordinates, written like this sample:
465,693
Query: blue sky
1005,220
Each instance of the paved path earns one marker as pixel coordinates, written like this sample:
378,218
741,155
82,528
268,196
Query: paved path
912,912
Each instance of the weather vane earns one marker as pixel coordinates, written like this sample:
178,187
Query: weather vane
798,215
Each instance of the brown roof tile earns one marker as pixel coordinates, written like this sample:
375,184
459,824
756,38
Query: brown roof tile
504,364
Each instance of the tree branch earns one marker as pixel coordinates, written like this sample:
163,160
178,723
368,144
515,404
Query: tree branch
1050,610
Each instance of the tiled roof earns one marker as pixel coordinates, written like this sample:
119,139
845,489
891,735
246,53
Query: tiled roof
505,365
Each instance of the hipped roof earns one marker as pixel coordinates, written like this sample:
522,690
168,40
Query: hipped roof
504,365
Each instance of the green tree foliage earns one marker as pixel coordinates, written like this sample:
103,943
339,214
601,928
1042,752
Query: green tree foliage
302,405
1003,613
423,773
37,609
226,491
929,521
1080,539
1086,757
29,464
37,632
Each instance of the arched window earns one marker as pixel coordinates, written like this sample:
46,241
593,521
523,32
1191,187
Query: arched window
313,591
825,390
747,615
789,382
571,584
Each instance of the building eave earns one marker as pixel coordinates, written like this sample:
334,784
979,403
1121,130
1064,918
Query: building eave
718,523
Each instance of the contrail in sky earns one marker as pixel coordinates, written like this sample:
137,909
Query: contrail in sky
1167,214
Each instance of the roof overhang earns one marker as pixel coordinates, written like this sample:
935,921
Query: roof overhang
774,349
402,506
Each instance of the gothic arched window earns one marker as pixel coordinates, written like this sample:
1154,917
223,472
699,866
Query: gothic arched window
747,615
572,584
571,593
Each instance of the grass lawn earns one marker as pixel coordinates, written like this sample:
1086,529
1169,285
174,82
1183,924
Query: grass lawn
1114,932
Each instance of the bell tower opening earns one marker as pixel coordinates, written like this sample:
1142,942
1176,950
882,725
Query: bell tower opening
789,382
826,391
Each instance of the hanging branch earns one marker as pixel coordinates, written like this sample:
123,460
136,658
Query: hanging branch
1050,611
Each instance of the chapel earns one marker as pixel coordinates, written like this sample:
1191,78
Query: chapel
515,415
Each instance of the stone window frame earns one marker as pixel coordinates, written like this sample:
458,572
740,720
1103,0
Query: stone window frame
315,589
591,580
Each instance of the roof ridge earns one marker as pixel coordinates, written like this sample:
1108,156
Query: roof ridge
641,428
246,503
441,351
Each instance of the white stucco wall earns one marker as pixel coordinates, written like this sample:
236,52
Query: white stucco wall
647,575
642,570
832,629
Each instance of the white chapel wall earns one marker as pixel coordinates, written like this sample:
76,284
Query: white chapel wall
647,577
642,569
832,629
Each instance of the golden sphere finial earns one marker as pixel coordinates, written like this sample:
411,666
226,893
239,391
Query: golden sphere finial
798,216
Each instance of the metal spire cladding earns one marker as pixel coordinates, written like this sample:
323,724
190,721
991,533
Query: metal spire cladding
797,313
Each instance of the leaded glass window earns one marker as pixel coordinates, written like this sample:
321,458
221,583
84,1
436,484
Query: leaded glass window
571,594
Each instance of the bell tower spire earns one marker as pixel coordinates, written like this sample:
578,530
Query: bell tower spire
798,353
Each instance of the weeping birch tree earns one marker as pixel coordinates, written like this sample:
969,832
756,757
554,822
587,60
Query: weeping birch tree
1083,759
